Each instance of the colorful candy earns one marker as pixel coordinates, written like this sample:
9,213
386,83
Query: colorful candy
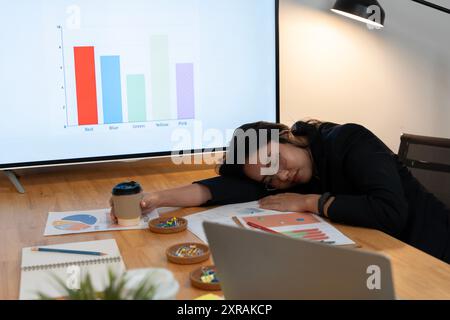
170,223
188,251
209,276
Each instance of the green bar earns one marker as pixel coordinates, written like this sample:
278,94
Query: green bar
159,64
136,98
295,234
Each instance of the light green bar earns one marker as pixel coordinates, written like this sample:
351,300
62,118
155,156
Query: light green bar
295,234
159,59
136,98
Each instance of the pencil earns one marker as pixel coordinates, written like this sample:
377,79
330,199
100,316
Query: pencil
257,226
91,253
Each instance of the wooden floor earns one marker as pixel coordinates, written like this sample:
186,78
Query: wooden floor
23,217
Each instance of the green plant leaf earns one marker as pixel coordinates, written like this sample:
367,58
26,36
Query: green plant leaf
114,289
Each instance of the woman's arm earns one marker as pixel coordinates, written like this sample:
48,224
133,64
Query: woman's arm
192,195
215,191
295,202
227,189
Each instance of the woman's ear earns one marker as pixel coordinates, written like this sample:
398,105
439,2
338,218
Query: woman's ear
285,133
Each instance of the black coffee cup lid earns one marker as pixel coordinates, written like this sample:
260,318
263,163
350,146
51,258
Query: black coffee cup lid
127,188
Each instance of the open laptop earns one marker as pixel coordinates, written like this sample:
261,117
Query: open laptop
254,265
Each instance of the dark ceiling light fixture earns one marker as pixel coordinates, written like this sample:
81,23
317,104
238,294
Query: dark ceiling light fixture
363,10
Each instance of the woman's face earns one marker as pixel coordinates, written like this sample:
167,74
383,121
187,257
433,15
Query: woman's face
295,166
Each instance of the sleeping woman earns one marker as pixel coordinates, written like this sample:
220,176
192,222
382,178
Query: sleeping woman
342,172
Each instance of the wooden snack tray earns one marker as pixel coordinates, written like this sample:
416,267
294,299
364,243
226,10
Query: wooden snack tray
172,257
197,282
153,225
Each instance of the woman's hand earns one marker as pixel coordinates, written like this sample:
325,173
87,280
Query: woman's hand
149,202
291,202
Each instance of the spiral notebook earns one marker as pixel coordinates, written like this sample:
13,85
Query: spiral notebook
40,268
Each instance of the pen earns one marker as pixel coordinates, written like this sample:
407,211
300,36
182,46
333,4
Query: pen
91,253
257,226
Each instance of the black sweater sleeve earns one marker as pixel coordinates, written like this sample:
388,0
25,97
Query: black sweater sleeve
380,202
226,190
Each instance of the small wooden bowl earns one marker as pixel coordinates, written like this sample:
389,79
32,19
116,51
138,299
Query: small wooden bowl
153,225
172,257
196,281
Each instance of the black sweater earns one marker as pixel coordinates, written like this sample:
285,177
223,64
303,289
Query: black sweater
372,187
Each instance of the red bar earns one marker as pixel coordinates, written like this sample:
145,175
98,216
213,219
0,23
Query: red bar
260,227
316,237
86,85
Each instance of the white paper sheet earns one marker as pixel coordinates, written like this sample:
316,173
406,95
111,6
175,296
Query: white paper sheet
308,227
223,215
61,223
39,269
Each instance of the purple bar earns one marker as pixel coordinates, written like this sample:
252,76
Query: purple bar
185,91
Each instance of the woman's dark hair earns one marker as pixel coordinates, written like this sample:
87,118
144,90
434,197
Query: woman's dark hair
301,134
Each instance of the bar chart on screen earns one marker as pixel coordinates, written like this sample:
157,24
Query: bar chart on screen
86,81
120,76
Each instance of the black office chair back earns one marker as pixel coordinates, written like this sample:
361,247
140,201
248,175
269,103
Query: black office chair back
428,159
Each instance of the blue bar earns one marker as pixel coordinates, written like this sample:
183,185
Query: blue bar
111,89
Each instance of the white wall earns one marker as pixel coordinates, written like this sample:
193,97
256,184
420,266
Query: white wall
392,80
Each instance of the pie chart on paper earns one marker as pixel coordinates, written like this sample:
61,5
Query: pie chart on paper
75,222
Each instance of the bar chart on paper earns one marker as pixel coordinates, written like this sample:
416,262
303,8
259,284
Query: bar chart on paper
311,234
297,225
136,77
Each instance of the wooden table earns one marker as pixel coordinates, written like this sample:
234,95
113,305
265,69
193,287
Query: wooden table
23,217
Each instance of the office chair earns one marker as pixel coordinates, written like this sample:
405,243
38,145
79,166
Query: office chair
428,159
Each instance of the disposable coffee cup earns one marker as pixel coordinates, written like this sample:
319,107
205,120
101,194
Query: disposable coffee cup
126,198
